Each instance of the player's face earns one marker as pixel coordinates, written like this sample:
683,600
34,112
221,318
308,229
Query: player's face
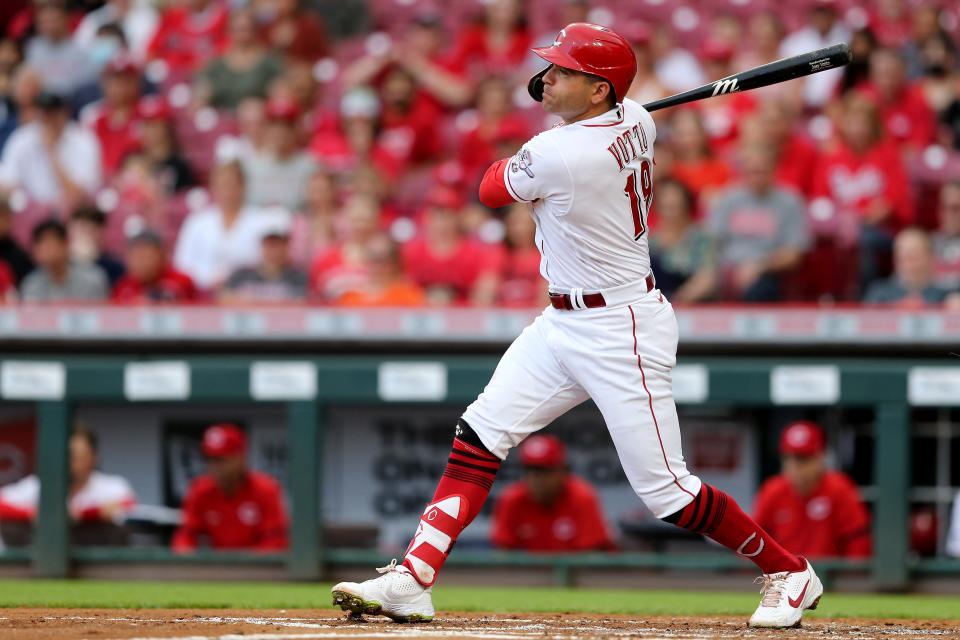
568,93
226,471
545,484
803,472
83,459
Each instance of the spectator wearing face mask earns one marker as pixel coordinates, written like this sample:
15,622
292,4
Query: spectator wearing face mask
137,20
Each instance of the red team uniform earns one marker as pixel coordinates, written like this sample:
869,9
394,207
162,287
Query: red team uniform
251,518
830,522
573,523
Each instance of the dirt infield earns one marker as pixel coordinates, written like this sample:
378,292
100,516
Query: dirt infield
152,624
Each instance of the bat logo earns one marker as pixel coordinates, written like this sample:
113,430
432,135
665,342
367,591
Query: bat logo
727,85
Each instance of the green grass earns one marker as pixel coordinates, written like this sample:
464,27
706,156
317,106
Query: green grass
241,595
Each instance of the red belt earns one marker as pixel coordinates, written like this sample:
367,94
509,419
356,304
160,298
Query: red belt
564,302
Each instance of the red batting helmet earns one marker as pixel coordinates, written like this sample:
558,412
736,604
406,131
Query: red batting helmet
589,48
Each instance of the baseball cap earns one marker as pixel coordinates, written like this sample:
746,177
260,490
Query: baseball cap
121,64
283,109
637,32
543,451
715,50
222,440
153,108
442,197
145,236
802,438
278,223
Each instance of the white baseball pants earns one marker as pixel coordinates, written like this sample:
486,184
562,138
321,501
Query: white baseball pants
621,356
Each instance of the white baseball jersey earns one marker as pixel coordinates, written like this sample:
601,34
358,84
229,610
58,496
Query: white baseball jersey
591,186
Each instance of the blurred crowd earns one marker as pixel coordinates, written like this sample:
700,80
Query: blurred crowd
326,151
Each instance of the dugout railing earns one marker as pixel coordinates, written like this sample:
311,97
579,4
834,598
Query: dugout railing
310,386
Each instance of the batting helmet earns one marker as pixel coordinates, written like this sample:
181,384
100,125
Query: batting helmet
589,48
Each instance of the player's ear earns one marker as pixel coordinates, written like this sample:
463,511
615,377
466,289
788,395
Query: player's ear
602,92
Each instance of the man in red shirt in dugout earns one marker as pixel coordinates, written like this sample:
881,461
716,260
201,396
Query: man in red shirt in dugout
232,507
813,511
550,509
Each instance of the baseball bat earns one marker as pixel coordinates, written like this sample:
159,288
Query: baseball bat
831,57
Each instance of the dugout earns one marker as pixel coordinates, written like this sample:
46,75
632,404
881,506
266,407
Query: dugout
320,384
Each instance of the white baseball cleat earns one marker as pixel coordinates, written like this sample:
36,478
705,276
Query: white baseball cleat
785,597
396,594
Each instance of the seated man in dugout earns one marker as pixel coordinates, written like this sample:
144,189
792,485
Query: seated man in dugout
550,509
813,510
232,506
97,502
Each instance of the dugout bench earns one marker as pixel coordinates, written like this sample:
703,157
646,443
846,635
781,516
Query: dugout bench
311,385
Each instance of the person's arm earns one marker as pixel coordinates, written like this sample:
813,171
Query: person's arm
703,283
503,527
537,171
185,538
853,535
953,534
274,525
363,71
73,191
592,528
763,507
449,88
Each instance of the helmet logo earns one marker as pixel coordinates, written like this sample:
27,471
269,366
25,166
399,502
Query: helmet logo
560,36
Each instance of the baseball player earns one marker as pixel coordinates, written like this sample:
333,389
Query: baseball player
609,335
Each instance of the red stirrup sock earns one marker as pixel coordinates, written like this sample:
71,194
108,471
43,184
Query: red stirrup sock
716,515
463,489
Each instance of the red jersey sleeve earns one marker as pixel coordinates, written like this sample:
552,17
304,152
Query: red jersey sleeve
493,187
853,525
592,534
274,525
504,526
763,505
185,539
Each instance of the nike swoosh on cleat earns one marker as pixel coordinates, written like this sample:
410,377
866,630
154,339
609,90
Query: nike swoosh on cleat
799,601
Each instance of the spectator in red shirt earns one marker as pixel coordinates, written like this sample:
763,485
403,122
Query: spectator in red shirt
8,284
114,119
190,33
386,286
442,259
722,115
774,125
342,267
160,146
409,120
232,507
812,510
551,509
150,278
513,278
419,52
904,111
292,30
496,43
861,182
694,163
354,139
496,120
891,21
